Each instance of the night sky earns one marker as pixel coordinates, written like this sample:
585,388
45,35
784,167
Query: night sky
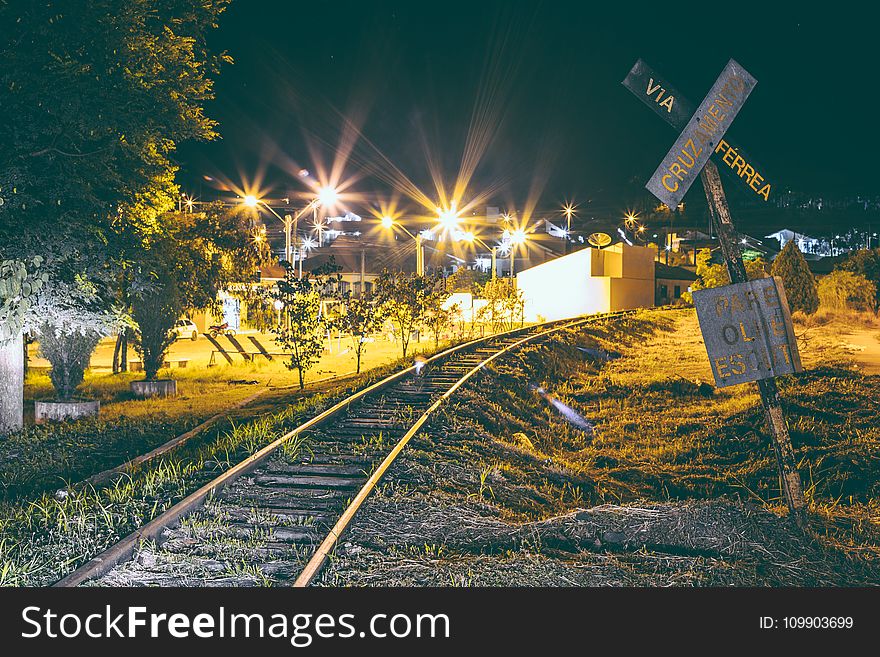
545,77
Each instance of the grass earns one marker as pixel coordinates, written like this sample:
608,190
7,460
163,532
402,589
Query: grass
500,464
47,537
43,536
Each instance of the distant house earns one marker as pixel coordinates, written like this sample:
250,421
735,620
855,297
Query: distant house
670,283
805,243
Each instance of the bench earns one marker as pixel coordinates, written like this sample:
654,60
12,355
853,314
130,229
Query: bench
138,366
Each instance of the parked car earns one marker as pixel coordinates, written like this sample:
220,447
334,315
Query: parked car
186,328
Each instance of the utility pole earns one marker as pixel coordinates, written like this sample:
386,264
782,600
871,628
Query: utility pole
669,184
363,271
494,262
420,256
790,479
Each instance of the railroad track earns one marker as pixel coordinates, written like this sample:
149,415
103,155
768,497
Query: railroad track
276,517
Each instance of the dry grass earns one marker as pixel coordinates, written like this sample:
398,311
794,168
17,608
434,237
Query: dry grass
504,457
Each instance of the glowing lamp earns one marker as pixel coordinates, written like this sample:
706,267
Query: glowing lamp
327,196
448,218
518,236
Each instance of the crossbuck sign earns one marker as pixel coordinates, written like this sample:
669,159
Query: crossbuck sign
746,326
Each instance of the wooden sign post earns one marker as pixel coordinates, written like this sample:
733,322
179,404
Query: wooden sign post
700,138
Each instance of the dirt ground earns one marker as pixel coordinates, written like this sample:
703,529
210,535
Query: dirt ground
567,465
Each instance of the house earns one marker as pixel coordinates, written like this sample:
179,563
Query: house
670,283
618,277
805,243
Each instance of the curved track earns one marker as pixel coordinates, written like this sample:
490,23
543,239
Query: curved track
275,518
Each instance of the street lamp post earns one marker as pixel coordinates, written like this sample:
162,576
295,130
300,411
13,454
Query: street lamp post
517,237
290,226
390,224
471,238
568,211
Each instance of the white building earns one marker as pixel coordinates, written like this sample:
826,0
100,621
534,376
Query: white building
805,243
619,277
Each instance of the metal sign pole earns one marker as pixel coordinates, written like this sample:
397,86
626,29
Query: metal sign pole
790,480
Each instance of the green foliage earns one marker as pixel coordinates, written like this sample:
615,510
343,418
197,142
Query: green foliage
844,290
101,93
406,300
188,262
155,312
304,321
865,263
797,280
96,96
20,282
69,319
466,280
711,274
504,304
359,317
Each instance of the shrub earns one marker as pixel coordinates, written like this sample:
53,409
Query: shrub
155,315
797,280
866,263
69,356
844,290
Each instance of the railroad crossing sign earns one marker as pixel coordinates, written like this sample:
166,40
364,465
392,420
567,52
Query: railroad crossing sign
704,131
670,105
747,330
691,152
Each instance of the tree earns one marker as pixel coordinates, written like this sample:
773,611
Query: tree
304,321
797,280
190,260
865,263
438,316
155,310
504,304
360,316
73,317
20,283
466,280
844,290
97,95
711,274
405,299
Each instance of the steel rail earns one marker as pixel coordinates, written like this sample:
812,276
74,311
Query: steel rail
125,548
319,558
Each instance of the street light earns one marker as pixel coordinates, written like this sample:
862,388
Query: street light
448,217
327,196
569,211
516,237
389,224
290,226
471,238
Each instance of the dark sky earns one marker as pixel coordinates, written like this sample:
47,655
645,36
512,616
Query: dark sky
545,78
